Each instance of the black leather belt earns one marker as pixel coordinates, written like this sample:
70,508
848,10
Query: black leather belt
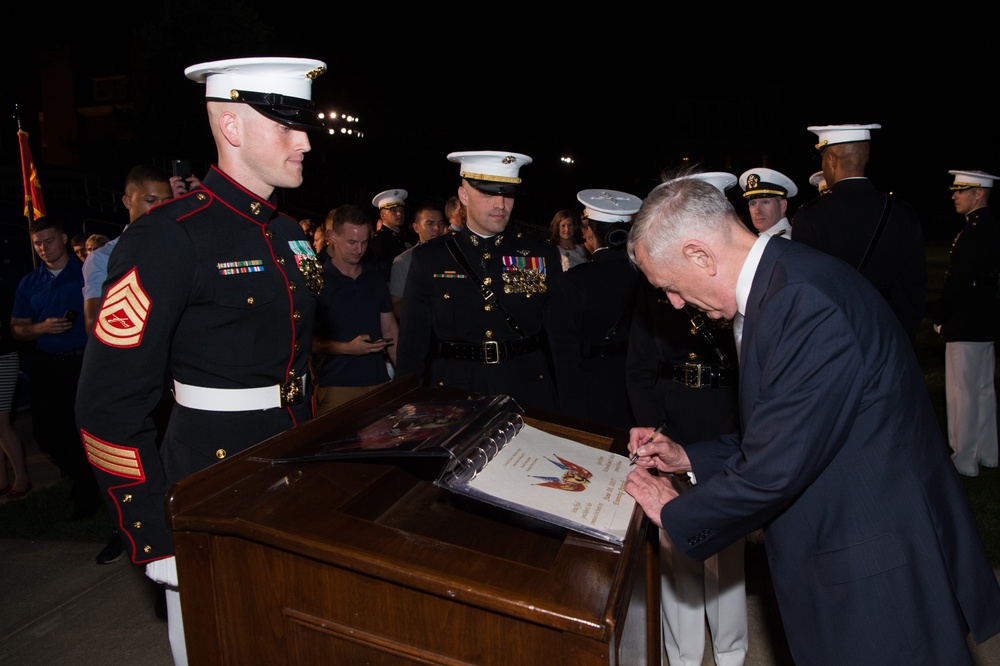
700,375
488,351
619,348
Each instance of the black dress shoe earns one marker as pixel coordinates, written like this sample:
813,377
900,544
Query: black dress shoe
113,551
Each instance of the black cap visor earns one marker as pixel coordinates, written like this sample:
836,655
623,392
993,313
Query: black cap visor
291,111
494,188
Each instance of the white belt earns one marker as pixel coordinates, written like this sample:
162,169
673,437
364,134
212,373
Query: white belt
230,400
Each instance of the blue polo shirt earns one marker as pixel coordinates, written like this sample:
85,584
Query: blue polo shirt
348,308
41,295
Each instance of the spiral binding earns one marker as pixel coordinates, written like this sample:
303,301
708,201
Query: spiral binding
494,437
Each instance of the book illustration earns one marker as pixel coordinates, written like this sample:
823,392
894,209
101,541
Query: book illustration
574,478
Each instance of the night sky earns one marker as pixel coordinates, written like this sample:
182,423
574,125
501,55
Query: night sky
626,95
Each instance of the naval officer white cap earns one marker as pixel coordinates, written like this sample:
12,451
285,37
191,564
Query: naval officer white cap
832,134
763,182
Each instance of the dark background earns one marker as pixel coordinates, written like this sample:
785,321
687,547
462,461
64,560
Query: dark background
627,93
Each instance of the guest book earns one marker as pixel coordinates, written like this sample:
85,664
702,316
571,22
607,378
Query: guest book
489,453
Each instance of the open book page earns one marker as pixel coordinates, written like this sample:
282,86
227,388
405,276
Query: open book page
556,480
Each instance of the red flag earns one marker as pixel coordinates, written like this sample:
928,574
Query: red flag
34,205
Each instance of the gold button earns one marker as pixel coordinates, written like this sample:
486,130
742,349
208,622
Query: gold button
692,356
137,524
296,316
201,196
220,453
269,233
297,346
281,261
126,498
441,383
147,549
489,334
488,307
447,296
250,300
487,255
292,287
488,281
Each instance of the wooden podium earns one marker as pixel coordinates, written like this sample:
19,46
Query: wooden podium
370,563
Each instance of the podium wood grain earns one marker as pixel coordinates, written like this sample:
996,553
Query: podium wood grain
370,563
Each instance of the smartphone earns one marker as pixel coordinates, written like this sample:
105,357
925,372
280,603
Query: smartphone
71,315
182,168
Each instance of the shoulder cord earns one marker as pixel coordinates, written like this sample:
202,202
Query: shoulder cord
487,293
699,325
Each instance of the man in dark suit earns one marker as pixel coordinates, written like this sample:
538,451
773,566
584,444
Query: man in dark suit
846,223
872,547
682,372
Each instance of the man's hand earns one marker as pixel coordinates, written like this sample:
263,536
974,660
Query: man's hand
181,186
25,329
662,453
651,492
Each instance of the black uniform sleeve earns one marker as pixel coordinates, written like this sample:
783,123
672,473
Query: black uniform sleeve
123,373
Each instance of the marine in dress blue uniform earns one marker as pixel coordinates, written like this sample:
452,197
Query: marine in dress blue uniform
220,287
593,317
223,287
450,334
388,242
843,224
968,318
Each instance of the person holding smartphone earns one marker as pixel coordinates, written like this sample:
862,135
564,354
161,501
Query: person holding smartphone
355,323
46,312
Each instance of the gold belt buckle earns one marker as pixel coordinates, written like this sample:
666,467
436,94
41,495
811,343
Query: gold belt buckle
495,346
291,392
692,375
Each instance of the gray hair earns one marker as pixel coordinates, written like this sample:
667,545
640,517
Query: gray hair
677,210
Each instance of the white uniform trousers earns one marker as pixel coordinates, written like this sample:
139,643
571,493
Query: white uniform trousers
971,402
165,571
692,592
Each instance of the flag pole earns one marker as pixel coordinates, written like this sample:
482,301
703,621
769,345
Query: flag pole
29,207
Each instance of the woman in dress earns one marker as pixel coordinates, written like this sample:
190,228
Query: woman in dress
564,233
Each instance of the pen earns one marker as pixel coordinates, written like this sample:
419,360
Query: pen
659,431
